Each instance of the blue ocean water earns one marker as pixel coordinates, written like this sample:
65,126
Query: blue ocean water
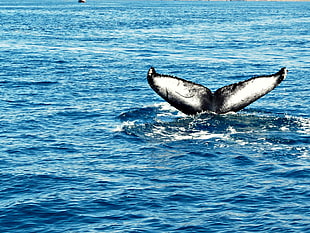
88,146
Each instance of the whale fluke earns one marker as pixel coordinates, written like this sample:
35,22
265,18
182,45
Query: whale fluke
192,98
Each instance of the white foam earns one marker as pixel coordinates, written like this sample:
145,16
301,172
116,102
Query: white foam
305,125
120,128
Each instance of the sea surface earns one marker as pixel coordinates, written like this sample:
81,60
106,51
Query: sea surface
88,146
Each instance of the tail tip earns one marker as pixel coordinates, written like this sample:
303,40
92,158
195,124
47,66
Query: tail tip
151,71
284,70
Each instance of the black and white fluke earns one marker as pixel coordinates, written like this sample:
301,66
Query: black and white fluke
192,98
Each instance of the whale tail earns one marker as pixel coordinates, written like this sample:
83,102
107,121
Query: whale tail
192,98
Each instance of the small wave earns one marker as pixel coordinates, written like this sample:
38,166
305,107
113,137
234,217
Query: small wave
27,83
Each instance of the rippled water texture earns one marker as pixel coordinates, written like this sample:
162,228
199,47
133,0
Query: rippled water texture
88,146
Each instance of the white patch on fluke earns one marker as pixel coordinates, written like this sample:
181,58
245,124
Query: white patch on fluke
252,90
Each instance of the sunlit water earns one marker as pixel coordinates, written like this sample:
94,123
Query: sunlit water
88,146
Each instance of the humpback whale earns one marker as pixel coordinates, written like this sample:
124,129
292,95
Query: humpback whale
192,98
